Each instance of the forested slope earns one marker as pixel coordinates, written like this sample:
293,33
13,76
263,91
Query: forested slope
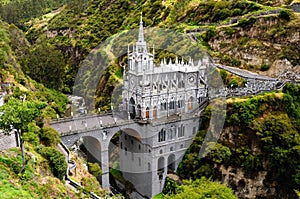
43,43
258,151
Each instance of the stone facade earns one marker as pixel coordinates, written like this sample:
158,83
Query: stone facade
154,93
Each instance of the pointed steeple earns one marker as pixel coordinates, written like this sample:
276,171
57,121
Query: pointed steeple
141,45
141,31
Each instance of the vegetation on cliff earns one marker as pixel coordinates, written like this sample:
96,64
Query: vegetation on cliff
261,133
37,169
43,43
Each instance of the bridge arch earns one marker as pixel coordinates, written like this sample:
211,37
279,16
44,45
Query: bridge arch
93,146
171,163
160,167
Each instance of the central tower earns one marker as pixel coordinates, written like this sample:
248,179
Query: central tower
140,61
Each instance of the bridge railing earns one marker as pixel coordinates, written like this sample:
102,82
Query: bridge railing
80,117
75,129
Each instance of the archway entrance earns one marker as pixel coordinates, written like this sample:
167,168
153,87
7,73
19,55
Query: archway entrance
171,163
132,108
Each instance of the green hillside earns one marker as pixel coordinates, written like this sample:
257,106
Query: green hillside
43,43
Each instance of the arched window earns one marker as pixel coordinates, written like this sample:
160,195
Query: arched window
180,103
172,104
154,112
132,108
149,166
163,105
126,104
162,135
181,131
139,109
147,112
190,103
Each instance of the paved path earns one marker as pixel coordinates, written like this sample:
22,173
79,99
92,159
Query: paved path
245,73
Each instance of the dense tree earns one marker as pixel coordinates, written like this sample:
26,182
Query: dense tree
16,115
49,136
202,188
57,161
17,11
45,64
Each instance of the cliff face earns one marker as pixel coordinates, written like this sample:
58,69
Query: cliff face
258,152
246,184
269,40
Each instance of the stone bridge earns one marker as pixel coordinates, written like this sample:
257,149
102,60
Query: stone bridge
155,149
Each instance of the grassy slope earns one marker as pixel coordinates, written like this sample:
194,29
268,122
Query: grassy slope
36,182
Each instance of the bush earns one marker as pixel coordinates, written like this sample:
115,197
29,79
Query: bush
49,136
31,137
210,33
202,188
264,67
56,161
285,15
246,23
233,83
94,169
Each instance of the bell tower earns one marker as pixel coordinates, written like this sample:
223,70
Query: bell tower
140,61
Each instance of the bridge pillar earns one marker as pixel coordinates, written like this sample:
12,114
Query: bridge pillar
105,168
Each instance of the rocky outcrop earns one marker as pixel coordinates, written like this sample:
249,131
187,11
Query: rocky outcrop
66,32
245,186
268,41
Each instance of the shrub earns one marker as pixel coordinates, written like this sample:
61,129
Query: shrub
56,161
94,169
223,74
49,136
264,67
210,33
246,23
31,137
285,15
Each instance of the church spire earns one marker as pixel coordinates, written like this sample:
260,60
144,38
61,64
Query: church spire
141,31
141,45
